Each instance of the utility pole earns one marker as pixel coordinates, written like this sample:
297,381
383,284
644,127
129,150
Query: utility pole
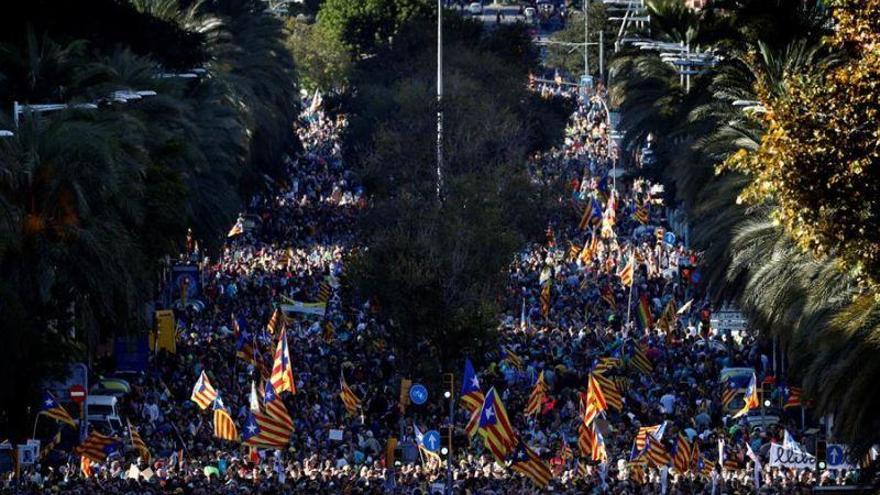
586,38
439,101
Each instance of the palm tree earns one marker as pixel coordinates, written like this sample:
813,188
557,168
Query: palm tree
91,200
813,305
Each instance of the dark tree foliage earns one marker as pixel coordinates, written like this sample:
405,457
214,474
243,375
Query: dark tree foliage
437,270
91,201
106,24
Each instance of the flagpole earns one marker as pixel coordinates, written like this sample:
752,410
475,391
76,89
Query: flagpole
629,303
37,418
633,283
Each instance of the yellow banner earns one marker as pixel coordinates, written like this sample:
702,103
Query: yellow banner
167,332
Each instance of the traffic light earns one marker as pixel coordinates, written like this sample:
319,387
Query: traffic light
448,385
821,453
445,440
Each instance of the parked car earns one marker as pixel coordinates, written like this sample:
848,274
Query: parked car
475,8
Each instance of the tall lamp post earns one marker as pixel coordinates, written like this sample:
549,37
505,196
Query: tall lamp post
586,38
439,100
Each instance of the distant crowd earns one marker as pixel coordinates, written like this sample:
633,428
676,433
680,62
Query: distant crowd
571,308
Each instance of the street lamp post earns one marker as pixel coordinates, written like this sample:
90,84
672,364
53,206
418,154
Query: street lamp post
119,96
18,109
439,100
586,38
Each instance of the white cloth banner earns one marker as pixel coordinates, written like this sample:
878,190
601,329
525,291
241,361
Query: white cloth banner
790,458
316,309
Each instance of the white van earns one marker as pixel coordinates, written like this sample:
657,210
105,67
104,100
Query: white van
101,409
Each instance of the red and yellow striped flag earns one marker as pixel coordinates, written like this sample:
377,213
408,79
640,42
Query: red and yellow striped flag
95,446
513,359
573,251
275,407
626,274
351,401
203,392
527,462
610,392
138,444
224,427
546,294
282,371
682,458
51,408
586,440
276,322
536,398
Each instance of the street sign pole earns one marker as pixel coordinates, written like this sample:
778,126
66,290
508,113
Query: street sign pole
78,394
451,430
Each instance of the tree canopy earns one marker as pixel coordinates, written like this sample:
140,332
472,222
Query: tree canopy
436,268
819,159
778,199
364,25
94,200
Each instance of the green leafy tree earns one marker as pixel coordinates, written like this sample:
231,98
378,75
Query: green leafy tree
322,60
363,25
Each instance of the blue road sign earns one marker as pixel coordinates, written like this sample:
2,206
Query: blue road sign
432,440
418,394
837,457
669,238
834,454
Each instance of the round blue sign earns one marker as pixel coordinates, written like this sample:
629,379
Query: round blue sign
834,454
418,394
431,441
669,238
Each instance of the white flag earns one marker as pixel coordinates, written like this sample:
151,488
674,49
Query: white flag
254,400
757,461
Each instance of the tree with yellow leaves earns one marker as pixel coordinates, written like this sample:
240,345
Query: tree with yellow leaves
819,160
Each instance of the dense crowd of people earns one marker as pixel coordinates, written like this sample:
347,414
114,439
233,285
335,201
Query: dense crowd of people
569,311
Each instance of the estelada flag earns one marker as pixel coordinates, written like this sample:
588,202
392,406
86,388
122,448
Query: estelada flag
472,396
527,462
499,436
282,372
203,392
626,274
51,408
